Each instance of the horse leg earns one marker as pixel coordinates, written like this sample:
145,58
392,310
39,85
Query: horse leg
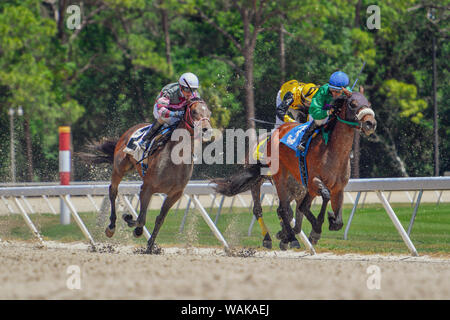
335,217
316,224
144,198
117,175
168,203
305,207
299,216
257,212
109,231
287,235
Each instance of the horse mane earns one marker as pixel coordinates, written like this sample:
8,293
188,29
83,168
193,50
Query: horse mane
339,102
196,99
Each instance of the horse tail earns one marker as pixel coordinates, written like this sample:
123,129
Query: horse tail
239,182
106,147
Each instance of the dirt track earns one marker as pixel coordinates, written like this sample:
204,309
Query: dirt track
29,272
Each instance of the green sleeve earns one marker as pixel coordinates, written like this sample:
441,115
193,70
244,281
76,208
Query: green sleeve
317,103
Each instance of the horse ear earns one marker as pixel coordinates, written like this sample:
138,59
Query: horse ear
361,89
346,92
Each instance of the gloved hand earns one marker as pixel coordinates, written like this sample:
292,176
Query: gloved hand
288,119
327,106
176,114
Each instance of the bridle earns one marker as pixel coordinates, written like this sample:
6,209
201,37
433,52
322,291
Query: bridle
189,120
356,121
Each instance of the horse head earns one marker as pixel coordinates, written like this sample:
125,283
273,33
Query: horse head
197,118
355,108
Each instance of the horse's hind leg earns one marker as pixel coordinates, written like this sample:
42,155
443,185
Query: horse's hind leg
257,212
168,203
117,176
283,211
121,166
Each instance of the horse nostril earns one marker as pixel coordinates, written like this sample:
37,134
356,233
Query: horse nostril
204,130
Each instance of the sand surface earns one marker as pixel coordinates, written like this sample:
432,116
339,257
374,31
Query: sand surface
30,272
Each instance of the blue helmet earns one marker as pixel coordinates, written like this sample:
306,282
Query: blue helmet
338,80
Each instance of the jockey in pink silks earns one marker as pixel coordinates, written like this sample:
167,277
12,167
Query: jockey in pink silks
170,103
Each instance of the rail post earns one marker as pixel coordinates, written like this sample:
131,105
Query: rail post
64,170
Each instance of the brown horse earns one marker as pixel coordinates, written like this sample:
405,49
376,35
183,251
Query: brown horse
328,170
163,174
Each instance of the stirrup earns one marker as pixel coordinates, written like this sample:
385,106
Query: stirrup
144,168
301,147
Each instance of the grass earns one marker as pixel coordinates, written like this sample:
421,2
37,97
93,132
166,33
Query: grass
371,231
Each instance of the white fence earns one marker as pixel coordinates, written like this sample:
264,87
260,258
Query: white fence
195,189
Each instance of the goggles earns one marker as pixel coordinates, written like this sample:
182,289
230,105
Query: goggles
185,89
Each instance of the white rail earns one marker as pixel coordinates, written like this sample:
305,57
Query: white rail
197,188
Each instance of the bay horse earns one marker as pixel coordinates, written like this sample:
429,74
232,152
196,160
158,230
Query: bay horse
162,175
328,167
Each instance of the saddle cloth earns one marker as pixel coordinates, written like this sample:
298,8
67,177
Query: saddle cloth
293,137
292,140
133,148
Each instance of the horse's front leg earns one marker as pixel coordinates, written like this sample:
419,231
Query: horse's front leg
144,198
299,211
335,217
323,191
168,203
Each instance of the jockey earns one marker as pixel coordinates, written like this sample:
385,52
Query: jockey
295,97
170,103
321,104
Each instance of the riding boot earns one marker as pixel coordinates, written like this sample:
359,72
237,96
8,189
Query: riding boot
302,145
150,133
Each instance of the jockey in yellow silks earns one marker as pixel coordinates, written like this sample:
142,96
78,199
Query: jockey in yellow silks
294,97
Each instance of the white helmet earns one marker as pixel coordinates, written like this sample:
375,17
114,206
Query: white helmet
189,79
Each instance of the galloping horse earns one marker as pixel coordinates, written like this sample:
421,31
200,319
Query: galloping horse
162,175
328,170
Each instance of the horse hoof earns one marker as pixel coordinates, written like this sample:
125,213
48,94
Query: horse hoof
137,232
336,226
128,218
314,237
284,245
278,235
109,232
267,244
154,249
294,244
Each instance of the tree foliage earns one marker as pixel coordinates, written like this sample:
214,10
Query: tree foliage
104,76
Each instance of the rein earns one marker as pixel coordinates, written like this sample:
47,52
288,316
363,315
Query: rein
359,116
350,123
